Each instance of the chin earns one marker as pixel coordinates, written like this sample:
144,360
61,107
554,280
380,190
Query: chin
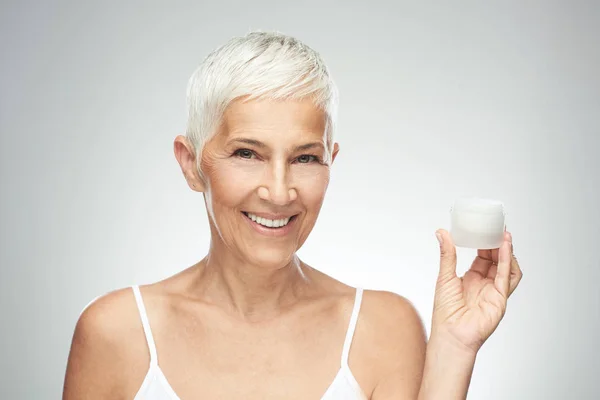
271,257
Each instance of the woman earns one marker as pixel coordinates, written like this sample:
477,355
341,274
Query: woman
251,320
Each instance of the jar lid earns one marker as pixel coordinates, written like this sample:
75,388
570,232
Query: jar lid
478,205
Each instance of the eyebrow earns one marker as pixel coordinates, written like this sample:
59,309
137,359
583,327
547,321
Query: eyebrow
261,145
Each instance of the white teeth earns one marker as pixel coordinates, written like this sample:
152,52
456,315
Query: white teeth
277,223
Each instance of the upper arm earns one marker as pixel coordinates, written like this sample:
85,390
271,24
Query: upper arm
402,345
92,368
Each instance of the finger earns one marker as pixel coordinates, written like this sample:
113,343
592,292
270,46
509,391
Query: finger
485,254
489,255
447,255
481,265
515,272
492,271
502,280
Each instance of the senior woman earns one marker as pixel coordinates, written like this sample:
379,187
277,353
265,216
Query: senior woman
251,320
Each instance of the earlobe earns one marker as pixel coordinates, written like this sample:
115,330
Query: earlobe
195,182
186,157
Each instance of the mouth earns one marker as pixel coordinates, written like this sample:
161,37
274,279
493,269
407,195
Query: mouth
273,224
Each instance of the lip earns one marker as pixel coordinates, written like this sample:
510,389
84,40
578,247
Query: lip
271,232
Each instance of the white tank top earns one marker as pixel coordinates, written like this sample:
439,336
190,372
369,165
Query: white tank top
156,387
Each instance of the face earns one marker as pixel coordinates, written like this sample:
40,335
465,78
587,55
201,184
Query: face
265,178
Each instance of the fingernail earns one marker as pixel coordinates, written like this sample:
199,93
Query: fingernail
439,238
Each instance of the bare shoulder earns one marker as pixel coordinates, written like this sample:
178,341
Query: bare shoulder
395,334
107,316
106,340
392,311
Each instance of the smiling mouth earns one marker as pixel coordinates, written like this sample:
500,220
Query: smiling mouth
270,223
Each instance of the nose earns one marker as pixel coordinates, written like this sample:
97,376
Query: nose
277,188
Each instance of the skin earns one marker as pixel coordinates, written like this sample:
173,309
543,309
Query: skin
252,321
467,310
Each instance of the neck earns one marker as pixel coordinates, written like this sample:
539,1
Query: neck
253,292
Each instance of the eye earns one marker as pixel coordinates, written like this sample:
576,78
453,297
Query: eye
307,158
244,153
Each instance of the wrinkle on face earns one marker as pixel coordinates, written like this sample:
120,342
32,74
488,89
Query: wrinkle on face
279,134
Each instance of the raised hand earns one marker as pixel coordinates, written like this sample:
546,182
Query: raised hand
468,309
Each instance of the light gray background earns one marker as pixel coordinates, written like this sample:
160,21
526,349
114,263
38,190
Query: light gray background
494,99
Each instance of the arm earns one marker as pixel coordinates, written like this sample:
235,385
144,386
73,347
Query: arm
93,366
448,370
399,348
466,312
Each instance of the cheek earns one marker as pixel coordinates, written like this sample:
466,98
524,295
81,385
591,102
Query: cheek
312,184
229,183
228,188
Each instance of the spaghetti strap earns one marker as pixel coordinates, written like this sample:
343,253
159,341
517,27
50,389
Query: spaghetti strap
145,324
351,327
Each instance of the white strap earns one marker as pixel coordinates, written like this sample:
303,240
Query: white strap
351,327
145,324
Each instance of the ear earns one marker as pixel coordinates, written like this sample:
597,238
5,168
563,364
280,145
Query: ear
186,157
336,149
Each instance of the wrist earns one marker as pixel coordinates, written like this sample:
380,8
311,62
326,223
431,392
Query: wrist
447,343
448,368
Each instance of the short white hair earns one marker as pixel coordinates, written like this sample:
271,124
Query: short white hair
268,65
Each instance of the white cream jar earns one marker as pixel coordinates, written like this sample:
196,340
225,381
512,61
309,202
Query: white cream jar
477,223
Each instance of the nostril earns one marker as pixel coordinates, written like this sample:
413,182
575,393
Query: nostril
277,196
293,194
263,193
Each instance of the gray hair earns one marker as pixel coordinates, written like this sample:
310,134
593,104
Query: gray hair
259,65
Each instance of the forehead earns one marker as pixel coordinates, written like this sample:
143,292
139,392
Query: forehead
267,115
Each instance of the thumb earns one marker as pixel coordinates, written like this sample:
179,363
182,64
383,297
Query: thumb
447,255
